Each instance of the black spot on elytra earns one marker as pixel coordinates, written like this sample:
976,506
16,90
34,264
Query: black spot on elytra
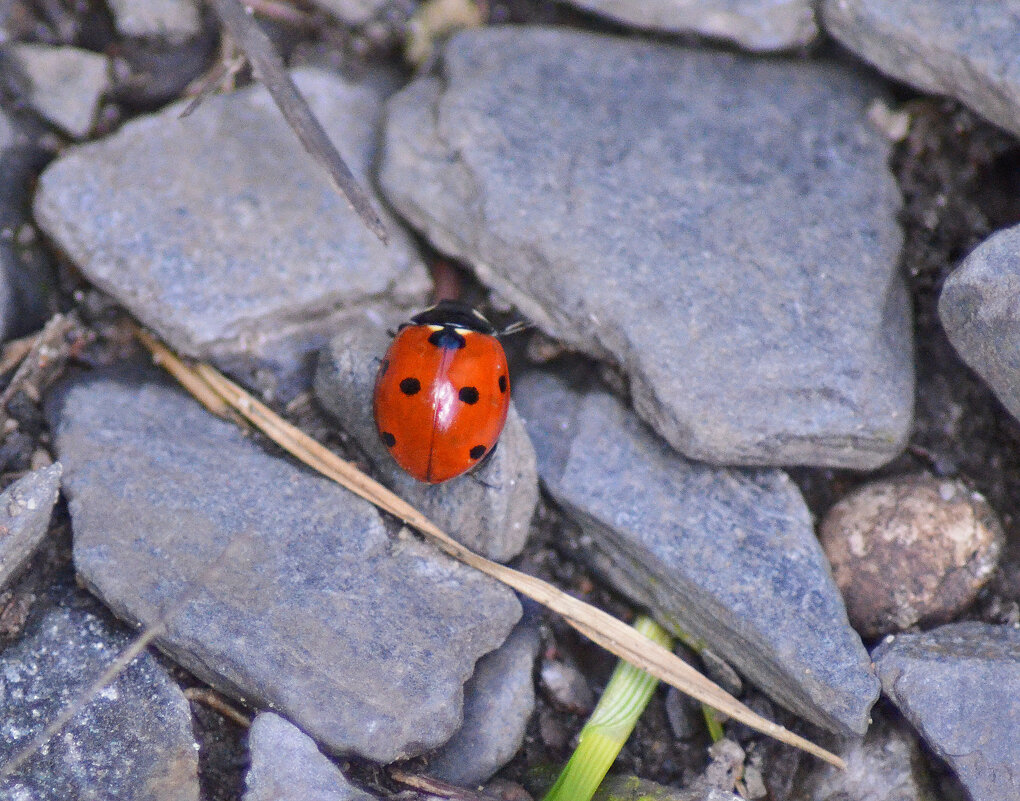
502,384
468,394
410,386
448,338
477,452
388,439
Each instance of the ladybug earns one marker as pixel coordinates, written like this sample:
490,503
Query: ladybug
442,392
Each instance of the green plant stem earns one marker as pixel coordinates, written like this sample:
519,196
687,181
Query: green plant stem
715,729
610,724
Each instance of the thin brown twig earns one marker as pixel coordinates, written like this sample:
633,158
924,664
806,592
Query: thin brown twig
217,77
597,625
15,351
270,70
40,364
437,788
218,703
281,12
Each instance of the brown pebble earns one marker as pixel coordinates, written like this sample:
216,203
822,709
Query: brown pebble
910,550
506,790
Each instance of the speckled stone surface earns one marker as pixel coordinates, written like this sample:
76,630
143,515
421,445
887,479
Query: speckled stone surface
133,742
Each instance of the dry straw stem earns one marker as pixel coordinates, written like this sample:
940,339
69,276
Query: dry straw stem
272,73
604,629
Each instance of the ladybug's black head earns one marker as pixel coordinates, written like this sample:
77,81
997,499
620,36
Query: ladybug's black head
454,314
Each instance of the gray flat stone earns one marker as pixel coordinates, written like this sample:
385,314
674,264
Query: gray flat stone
948,47
498,701
723,228
980,311
220,233
490,509
25,510
727,556
65,84
173,20
286,765
133,742
285,589
959,686
753,24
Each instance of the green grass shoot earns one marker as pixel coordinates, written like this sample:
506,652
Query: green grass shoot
610,724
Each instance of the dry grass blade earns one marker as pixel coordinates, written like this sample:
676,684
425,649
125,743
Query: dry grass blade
602,628
435,788
217,703
270,70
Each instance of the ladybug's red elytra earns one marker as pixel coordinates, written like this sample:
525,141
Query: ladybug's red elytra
442,392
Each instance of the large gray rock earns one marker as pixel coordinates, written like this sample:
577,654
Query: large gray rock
754,24
65,84
220,233
723,228
25,510
133,742
277,586
980,311
498,701
727,556
959,686
490,509
286,765
950,47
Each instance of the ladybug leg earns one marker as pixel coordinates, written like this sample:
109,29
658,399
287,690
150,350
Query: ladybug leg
488,456
477,480
400,328
473,475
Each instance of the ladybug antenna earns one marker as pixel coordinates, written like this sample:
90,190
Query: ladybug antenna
515,328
